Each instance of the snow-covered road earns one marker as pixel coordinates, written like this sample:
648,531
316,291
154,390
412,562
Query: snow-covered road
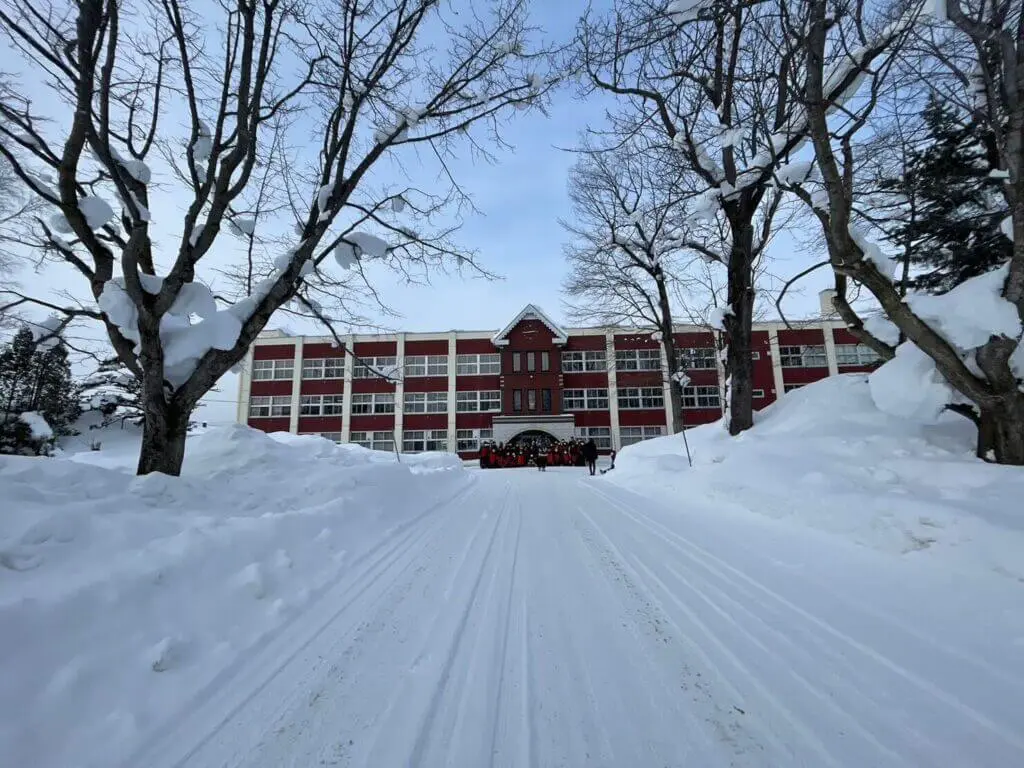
557,620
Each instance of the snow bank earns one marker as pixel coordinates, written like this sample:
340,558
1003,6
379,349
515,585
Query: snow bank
825,456
121,596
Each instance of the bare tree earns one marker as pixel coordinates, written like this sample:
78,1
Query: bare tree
627,261
292,113
988,376
699,77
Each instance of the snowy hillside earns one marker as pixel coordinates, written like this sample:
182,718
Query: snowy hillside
108,581
824,456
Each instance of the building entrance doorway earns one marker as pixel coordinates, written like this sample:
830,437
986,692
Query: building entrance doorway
535,437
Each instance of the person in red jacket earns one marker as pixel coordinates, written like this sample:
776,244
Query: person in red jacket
485,456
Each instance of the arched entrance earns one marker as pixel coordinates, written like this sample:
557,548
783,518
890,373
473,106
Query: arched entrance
539,438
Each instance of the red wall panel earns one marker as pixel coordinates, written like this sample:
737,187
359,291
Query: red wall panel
425,421
270,425
322,350
473,420
585,380
272,387
642,418
638,340
803,375
438,347
474,347
476,383
319,423
579,343
373,423
702,416
322,386
695,339
530,334
273,351
372,385
638,379
375,348
426,384
593,418
794,336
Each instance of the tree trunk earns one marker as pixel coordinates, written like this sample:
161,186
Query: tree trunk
1001,434
163,437
739,368
668,344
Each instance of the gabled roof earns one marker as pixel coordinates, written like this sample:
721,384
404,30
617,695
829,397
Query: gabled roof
530,312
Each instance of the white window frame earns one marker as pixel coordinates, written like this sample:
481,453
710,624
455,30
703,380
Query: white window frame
585,399
701,396
862,354
321,405
469,440
426,402
646,398
638,360
332,436
278,369
420,440
755,355
473,401
426,365
380,403
585,361
602,436
633,435
276,406
482,364
699,358
378,364
758,394
377,440
323,368
803,356
790,387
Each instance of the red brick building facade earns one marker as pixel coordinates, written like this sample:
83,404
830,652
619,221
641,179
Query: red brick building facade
451,391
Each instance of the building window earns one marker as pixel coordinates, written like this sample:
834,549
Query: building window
321,405
633,398
517,362
531,361
630,435
517,400
545,400
804,356
579,362
469,440
426,365
269,407
545,361
585,400
426,402
855,354
323,368
471,402
419,440
335,436
755,355
758,394
531,399
701,397
375,441
375,367
696,358
638,360
477,365
790,387
264,370
602,436
373,403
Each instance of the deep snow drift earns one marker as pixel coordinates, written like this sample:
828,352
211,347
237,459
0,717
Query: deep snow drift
825,456
109,582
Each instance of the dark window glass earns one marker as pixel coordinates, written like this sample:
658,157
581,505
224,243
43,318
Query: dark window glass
545,400
545,361
517,362
517,400
531,399
531,361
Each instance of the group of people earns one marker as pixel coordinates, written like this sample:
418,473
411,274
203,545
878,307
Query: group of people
566,453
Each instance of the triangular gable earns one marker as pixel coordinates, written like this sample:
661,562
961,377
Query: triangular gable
530,312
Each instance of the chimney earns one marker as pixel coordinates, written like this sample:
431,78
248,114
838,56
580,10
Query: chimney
828,309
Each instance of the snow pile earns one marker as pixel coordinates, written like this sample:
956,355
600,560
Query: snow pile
123,597
825,456
37,423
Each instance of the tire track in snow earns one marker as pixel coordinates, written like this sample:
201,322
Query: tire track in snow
224,697
753,588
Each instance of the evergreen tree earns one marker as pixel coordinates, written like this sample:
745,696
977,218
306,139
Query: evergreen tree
35,379
113,392
955,231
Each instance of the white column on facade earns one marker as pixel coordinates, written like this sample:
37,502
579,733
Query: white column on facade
245,386
666,381
776,353
346,413
399,388
453,443
613,388
293,419
830,349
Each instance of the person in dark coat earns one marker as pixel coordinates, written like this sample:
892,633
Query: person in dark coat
590,455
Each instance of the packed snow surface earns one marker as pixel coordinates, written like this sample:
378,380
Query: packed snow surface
833,588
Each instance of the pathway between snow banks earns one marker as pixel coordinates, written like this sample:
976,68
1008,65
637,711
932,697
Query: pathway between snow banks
555,620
